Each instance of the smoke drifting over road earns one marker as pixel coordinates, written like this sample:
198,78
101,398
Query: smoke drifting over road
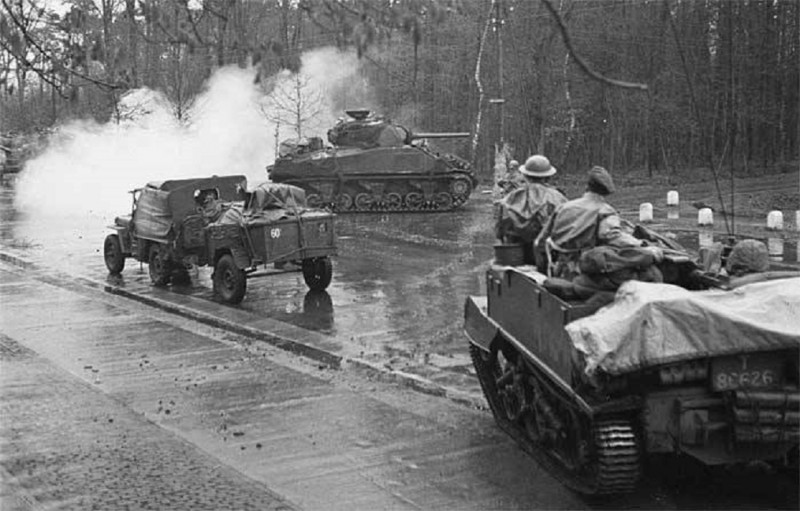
88,167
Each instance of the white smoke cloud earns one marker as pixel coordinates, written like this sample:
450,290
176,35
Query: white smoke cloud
88,168
70,194
336,74
329,82
92,166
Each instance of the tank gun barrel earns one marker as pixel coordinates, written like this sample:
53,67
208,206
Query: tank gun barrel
452,134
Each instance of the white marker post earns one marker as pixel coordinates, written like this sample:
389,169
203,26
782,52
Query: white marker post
705,217
775,221
645,212
672,198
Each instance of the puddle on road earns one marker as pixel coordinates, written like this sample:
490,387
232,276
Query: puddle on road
399,282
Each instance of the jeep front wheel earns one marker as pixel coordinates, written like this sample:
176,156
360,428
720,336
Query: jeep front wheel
112,252
158,265
317,272
230,282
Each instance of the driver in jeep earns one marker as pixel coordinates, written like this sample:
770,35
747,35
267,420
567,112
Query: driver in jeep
208,205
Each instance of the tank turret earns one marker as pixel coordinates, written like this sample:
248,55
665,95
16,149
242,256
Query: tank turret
374,164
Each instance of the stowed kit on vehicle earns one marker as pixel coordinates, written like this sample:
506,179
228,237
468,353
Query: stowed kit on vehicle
666,368
216,221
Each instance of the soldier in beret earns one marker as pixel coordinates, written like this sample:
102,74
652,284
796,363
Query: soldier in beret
581,224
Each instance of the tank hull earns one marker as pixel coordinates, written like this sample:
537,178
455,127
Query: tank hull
382,179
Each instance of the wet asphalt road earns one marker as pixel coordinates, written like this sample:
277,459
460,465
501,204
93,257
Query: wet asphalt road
395,304
111,404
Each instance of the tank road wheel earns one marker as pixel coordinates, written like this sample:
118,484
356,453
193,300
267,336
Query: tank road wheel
414,201
314,201
112,253
344,202
363,202
158,265
230,282
394,201
443,201
460,188
317,272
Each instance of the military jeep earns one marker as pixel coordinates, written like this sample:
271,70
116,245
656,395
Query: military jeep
218,222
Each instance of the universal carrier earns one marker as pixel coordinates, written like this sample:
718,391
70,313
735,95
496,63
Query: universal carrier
592,393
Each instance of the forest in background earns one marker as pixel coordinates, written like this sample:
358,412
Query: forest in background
653,86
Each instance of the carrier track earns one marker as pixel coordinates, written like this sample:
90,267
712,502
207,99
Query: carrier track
589,454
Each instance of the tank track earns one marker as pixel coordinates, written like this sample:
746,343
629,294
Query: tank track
370,195
607,456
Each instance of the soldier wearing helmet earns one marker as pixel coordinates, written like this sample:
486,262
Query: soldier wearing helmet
524,211
747,256
512,179
208,204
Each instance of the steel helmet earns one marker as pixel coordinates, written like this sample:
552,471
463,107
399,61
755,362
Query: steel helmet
748,256
537,166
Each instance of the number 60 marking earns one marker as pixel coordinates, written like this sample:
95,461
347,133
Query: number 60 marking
275,233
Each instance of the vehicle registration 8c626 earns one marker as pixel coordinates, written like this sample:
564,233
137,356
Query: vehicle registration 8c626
747,371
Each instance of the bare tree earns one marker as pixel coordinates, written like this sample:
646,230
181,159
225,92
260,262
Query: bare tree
293,103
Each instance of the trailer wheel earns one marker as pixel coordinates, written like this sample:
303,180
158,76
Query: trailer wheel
112,252
230,282
158,266
317,272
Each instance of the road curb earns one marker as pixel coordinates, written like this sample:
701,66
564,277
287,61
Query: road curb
332,360
16,261
278,341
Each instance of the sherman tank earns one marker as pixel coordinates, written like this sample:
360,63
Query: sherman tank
595,389
374,165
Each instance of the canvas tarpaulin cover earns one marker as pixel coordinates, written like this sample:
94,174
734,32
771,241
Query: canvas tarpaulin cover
524,211
152,217
271,202
650,324
277,196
